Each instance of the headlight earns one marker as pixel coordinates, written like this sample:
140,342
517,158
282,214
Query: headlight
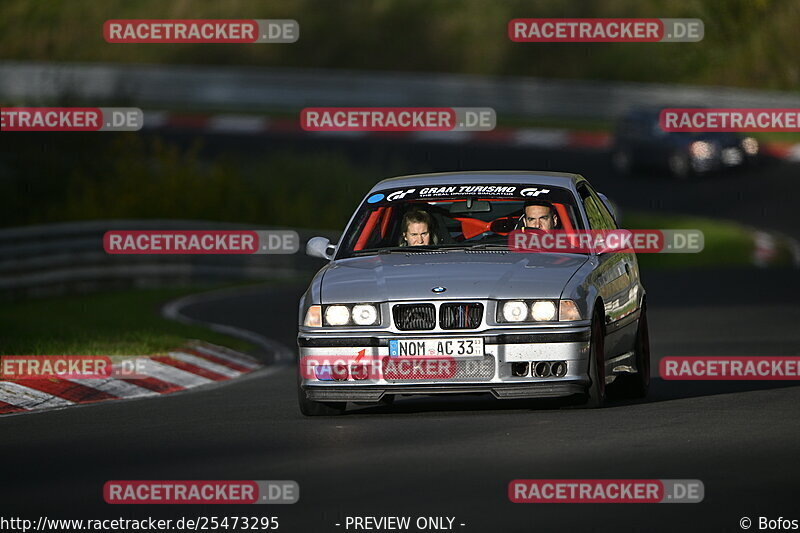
515,311
543,311
313,317
537,311
701,150
337,315
365,314
750,146
349,315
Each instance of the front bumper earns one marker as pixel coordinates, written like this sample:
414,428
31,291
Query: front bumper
494,373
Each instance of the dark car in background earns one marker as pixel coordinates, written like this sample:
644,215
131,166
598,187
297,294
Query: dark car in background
639,143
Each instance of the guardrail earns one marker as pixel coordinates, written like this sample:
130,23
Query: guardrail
51,259
252,89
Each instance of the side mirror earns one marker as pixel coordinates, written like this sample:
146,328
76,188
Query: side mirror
609,206
320,247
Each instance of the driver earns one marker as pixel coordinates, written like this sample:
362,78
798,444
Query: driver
539,214
416,229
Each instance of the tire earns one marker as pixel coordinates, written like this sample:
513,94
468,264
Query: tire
312,408
637,385
596,392
388,400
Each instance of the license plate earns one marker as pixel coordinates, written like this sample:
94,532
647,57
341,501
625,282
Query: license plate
459,348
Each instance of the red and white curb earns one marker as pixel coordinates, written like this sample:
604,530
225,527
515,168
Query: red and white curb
196,364
554,138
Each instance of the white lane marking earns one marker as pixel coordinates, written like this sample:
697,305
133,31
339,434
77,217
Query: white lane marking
115,387
205,363
28,398
170,374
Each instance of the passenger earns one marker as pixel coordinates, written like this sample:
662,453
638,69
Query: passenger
540,214
417,229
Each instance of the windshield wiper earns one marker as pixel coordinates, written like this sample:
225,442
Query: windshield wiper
396,250
480,246
407,250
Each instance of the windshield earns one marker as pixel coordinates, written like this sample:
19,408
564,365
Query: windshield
455,216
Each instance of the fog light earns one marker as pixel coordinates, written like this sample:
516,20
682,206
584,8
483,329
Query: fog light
339,371
520,370
323,372
541,370
359,371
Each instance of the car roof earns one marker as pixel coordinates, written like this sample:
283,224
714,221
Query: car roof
554,179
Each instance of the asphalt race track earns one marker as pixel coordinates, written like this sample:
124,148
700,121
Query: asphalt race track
455,456
448,456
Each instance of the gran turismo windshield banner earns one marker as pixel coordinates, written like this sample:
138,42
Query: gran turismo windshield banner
465,191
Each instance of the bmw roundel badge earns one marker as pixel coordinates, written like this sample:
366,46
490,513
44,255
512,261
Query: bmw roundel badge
439,289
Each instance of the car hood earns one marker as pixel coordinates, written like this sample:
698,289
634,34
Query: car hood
483,274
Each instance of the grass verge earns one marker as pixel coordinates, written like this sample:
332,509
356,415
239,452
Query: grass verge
114,323
727,244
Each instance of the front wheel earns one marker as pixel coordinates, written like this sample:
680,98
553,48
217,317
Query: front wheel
636,385
596,393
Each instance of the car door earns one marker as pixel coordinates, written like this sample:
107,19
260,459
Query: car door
616,277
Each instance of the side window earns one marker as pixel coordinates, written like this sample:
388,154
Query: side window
608,218
596,220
